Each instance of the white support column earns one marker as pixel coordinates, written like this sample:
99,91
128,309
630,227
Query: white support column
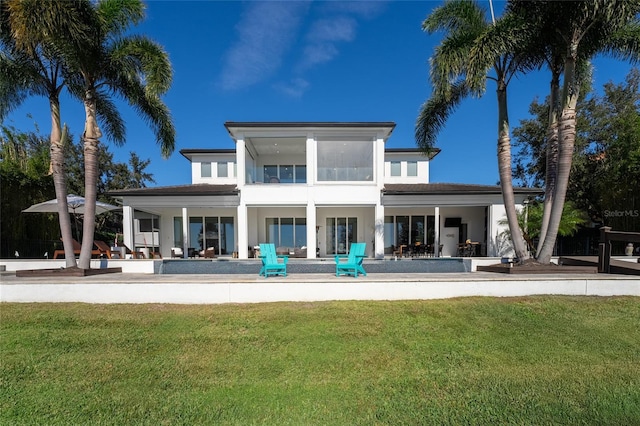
241,162
243,232
379,231
312,234
185,233
127,227
379,161
311,161
436,242
491,238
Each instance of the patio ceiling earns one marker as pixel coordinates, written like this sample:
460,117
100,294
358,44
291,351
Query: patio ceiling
277,145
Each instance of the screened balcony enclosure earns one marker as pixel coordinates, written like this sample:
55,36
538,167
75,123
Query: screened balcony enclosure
284,160
276,160
345,161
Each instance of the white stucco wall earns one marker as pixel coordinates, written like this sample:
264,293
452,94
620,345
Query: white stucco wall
422,165
499,242
196,168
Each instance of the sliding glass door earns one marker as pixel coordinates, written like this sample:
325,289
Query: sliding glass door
289,232
341,232
206,233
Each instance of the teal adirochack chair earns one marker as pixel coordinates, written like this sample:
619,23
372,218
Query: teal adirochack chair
271,264
353,263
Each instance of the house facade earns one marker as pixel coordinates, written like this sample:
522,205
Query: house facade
311,189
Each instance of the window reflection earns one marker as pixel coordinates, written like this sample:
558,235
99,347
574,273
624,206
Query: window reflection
345,161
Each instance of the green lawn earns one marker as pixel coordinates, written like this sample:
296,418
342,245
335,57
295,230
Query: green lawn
536,360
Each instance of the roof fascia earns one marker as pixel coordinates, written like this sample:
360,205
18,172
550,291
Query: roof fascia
249,129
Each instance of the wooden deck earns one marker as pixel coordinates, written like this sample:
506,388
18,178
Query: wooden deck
617,266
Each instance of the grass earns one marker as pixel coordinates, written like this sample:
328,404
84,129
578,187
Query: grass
521,361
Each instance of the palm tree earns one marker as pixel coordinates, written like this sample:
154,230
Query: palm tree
132,67
34,35
582,29
530,221
459,68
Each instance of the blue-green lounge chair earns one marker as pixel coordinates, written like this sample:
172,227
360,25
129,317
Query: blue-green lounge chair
351,264
271,264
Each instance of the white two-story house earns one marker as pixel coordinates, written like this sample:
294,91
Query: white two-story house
312,188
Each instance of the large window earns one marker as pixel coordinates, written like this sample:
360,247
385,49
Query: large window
301,173
227,235
389,235
177,232
412,168
287,173
290,232
417,229
345,161
211,236
402,230
196,231
395,168
223,169
205,170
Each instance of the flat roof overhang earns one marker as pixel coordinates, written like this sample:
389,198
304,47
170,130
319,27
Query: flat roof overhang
448,194
189,189
195,195
234,127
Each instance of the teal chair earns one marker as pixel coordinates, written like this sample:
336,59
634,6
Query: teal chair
351,264
271,264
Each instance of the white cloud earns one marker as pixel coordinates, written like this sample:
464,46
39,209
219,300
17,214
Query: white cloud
339,25
365,8
269,29
338,29
265,33
295,88
318,53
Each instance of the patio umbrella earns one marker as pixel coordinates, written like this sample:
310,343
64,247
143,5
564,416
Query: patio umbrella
75,204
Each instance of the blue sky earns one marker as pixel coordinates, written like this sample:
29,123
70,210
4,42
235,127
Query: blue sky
306,61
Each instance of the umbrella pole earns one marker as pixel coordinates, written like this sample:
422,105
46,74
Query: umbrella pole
75,221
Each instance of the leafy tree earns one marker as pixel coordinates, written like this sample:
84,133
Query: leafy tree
115,62
110,175
610,165
606,161
530,221
33,35
460,68
24,165
24,170
582,29
530,143
133,176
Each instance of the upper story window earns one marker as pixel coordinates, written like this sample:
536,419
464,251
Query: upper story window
300,174
285,173
395,168
412,168
205,170
223,170
345,161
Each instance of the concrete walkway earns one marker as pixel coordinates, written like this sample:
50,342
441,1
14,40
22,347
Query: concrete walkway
243,288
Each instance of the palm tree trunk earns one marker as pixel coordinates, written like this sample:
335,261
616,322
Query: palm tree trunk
566,142
91,140
552,158
57,140
550,184
504,167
